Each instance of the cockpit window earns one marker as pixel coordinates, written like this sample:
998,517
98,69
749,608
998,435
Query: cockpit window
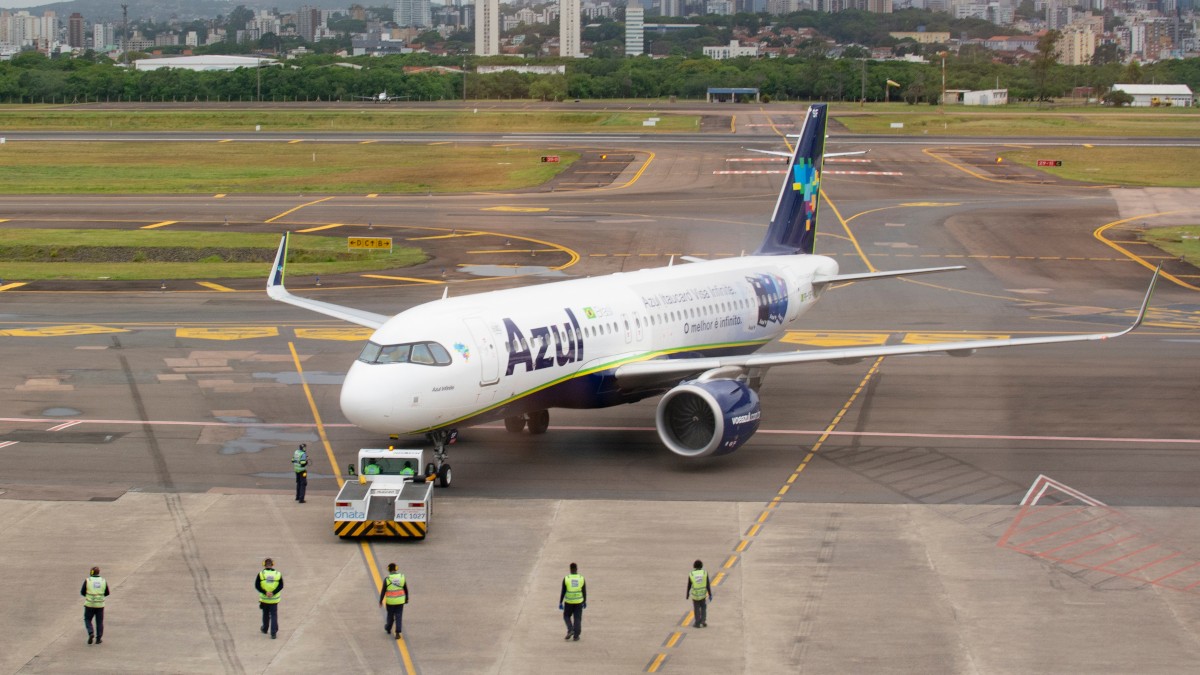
422,353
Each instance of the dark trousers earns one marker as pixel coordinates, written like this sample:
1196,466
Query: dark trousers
700,609
573,615
301,485
395,615
98,613
270,617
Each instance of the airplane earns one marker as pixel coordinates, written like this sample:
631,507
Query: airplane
687,332
381,97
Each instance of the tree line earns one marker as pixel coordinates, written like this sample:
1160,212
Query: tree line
31,77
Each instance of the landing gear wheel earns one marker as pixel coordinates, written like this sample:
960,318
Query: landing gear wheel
514,425
539,421
444,476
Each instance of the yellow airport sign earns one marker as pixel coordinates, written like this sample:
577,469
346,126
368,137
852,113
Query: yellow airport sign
227,332
372,243
825,339
343,334
935,338
61,331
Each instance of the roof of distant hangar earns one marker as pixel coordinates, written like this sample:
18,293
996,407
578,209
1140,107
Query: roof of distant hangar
205,62
733,90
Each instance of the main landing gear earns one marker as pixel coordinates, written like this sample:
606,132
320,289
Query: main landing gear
538,421
441,439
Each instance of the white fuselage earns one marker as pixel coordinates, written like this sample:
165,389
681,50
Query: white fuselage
556,345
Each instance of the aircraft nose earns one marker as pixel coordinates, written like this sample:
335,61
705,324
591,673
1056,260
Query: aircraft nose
366,401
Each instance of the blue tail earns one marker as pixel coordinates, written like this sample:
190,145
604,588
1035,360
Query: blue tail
794,225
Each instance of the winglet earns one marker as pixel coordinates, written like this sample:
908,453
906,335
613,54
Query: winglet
1145,303
275,280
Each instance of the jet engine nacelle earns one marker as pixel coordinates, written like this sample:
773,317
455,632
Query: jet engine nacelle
707,417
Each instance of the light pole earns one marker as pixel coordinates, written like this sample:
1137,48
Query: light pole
943,101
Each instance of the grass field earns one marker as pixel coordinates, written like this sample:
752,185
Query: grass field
26,118
1161,167
1179,241
161,254
39,168
957,121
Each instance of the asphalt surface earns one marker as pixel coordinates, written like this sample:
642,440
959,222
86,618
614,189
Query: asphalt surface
874,524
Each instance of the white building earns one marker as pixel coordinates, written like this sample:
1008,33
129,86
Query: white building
635,29
487,27
569,28
985,97
206,62
104,37
730,51
415,13
1146,95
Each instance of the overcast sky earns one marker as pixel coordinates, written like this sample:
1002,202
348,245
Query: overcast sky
20,4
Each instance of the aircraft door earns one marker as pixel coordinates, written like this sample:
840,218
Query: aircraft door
628,328
489,356
637,325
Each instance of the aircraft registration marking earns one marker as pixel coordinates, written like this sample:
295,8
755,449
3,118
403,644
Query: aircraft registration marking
62,331
823,339
227,332
342,334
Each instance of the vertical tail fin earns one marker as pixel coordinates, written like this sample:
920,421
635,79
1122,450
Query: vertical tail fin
793,226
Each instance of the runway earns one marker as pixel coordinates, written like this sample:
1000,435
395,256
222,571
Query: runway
874,524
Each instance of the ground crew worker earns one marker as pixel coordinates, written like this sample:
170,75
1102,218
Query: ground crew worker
94,590
700,591
300,466
269,584
572,600
408,469
371,469
395,594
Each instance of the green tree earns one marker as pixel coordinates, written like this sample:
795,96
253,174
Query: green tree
1044,62
1117,98
1105,54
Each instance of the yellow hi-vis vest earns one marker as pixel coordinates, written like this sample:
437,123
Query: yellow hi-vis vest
94,592
270,581
299,460
574,594
699,584
395,594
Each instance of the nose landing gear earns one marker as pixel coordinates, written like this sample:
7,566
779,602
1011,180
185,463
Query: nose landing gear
440,439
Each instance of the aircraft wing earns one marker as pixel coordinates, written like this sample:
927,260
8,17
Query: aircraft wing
780,153
276,291
655,371
862,276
